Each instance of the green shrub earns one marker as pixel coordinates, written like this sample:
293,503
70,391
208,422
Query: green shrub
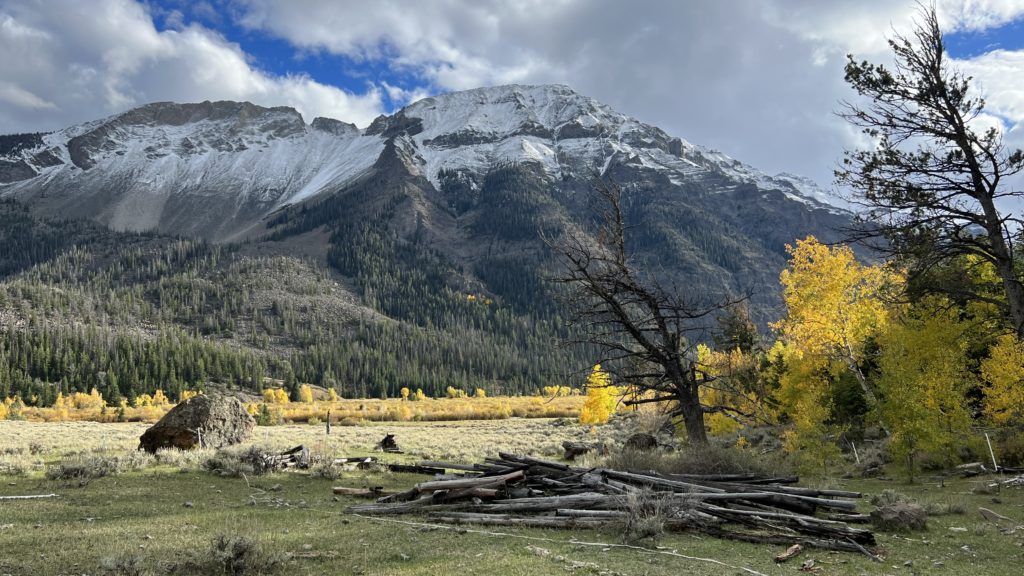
231,555
695,460
646,513
238,461
86,467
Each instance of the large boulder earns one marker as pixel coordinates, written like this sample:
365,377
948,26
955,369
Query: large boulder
204,421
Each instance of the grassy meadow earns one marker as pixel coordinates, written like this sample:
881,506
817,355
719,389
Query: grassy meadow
154,515
344,411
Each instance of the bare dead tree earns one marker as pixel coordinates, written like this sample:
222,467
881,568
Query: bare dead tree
935,188
646,334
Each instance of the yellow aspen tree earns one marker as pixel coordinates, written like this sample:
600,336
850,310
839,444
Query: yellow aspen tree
405,393
281,396
332,395
725,367
803,398
601,398
924,379
306,394
1003,373
834,304
159,398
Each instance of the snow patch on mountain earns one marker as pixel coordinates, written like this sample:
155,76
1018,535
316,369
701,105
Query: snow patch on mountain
268,157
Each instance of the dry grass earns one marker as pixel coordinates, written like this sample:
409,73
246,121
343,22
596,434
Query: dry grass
696,460
372,410
31,443
157,519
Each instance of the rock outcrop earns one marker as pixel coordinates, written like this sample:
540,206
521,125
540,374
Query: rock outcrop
204,421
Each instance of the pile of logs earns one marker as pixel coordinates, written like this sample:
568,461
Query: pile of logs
297,457
522,491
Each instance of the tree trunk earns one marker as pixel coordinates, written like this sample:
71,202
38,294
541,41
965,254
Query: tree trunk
693,419
1003,258
1014,295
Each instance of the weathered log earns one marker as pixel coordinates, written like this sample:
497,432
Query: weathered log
414,469
467,482
790,552
854,518
506,520
656,482
355,460
374,492
450,466
590,513
533,461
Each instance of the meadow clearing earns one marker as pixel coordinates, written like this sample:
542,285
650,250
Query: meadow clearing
278,409
155,515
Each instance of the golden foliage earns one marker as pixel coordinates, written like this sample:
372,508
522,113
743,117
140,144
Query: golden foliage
923,380
834,304
726,366
802,397
602,398
275,396
405,393
306,394
453,392
1003,373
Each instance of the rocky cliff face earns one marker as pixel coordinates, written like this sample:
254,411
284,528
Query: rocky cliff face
474,175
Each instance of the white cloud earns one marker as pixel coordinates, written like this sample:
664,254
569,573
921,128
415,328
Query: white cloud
757,79
67,61
1000,76
22,98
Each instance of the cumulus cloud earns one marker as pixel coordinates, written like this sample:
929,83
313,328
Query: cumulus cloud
67,61
757,79
716,73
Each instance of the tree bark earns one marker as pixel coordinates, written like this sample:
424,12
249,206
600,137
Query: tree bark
693,420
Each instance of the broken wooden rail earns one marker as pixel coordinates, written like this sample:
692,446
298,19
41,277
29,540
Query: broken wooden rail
514,490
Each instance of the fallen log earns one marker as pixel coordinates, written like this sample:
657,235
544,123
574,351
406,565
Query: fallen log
468,482
375,492
450,466
415,469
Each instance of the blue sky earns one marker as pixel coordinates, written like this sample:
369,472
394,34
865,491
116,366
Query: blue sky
279,57
970,44
757,79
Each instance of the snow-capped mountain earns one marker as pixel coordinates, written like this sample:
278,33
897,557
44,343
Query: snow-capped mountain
475,175
153,166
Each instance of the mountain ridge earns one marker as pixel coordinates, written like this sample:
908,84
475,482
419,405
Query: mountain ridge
232,171
225,242
550,124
